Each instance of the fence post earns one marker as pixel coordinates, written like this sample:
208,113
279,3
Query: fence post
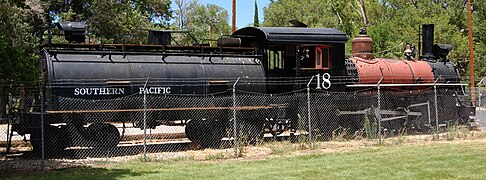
2,106
145,121
479,92
42,126
436,107
9,119
379,109
479,96
428,111
309,112
235,139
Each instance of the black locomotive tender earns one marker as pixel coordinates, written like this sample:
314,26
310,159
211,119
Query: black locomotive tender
84,71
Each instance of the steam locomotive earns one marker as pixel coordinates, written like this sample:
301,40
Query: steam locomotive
95,72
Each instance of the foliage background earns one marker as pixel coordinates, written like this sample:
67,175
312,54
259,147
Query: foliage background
391,23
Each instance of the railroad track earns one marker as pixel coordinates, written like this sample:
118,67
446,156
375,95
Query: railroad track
129,145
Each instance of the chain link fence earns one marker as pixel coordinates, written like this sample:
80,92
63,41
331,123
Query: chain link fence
231,120
481,104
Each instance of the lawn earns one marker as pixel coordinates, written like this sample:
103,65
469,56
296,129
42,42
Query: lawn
444,160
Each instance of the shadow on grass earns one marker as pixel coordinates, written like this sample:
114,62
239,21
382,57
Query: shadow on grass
103,153
80,173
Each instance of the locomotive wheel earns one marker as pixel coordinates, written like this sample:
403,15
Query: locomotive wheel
103,135
207,134
215,132
55,140
191,131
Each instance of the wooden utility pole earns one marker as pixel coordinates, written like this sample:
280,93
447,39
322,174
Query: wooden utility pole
233,21
471,53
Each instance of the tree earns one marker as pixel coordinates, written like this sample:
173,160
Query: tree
73,10
315,13
115,21
183,12
156,11
203,21
208,21
17,43
256,21
279,12
111,19
343,15
479,32
82,10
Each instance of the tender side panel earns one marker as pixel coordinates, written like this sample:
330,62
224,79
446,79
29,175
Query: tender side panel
64,67
117,75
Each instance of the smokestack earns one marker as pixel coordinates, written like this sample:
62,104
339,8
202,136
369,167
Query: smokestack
427,41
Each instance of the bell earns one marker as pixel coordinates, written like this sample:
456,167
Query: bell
408,52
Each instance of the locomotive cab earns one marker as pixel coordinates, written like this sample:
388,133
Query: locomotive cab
297,52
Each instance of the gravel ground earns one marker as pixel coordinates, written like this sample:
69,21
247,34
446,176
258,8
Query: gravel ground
481,117
128,131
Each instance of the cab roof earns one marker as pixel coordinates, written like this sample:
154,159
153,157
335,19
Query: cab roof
291,35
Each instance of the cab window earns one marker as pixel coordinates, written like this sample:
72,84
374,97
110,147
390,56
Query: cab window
316,58
275,59
322,58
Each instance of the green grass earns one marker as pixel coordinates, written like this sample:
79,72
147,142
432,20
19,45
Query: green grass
438,161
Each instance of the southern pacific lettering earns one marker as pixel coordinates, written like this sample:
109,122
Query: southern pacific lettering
95,91
154,90
98,91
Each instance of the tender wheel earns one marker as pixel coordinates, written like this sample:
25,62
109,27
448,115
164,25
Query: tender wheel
55,140
215,132
207,134
192,131
103,135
